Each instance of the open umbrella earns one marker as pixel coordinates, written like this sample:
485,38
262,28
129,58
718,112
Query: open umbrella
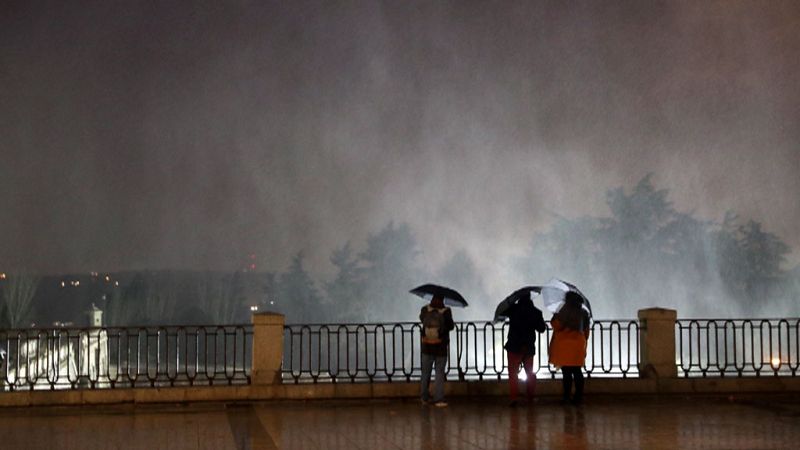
451,297
554,294
503,307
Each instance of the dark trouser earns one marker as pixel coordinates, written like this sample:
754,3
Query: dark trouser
514,360
438,384
569,373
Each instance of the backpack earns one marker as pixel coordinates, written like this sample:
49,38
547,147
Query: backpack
432,323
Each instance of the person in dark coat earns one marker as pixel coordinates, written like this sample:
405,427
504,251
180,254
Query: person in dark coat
437,321
525,320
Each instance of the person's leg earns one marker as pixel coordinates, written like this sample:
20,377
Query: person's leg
578,375
566,382
427,364
438,393
513,370
530,383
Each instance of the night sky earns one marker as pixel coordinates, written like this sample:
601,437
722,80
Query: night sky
140,134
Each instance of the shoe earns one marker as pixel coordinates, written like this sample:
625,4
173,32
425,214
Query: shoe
425,401
440,404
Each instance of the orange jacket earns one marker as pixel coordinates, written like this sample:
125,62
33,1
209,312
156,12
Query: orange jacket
567,347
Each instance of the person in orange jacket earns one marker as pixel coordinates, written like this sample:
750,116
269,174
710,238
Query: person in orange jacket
568,345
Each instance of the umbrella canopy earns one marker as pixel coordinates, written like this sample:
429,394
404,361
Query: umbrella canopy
503,307
451,296
554,294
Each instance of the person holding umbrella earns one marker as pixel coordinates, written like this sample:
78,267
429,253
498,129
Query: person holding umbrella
525,320
437,321
568,345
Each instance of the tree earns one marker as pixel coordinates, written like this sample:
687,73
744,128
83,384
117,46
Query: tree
751,259
460,273
119,309
220,296
297,291
346,291
18,290
389,272
161,298
646,251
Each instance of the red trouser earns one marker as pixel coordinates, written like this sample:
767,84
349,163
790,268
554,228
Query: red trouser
514,360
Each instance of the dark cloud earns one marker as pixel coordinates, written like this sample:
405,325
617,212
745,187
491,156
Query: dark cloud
191,134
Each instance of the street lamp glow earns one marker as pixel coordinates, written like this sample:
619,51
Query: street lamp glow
254,308
776,362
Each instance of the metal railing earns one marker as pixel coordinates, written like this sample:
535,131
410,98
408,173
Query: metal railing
390,352
738,347
92,358
95,358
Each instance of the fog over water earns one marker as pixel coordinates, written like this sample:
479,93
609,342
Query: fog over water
190,135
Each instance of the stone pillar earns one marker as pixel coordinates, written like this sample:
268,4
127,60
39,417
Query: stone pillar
657,343
267,347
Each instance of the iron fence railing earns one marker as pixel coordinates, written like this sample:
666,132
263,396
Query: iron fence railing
390,352
738,347
93,358
75,358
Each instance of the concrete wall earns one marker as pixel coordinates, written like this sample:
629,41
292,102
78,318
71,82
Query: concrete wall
545,388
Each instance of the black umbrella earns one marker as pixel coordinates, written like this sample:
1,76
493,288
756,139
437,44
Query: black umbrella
451,297
503,307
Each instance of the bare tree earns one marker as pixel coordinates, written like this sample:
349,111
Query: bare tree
221,296
18,290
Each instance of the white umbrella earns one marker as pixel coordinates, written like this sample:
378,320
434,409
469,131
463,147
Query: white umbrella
554,294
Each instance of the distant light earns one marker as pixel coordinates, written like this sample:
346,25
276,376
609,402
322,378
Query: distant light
776,362
2,276
116,283
63,284
108,278
272,302
252,266
254,308
77,283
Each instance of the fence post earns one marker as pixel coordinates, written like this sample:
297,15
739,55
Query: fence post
267,347
657,343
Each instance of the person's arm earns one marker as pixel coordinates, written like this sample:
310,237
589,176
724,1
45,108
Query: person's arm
586,320
538,323
556,324
448,320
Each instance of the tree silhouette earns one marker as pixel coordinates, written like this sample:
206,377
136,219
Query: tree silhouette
647,252
296,290
460,273
390,271
18,290
346,291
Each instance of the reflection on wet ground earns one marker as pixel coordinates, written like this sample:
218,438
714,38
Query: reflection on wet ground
606,422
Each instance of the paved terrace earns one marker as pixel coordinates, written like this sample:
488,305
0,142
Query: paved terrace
613,422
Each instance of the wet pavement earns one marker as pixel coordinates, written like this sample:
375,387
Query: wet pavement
605,422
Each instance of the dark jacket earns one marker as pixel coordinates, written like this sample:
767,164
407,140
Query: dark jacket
524,321
444,333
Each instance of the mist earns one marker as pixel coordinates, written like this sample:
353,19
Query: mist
192,135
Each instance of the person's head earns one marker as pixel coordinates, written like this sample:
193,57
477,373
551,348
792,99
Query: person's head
572,299
437,301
